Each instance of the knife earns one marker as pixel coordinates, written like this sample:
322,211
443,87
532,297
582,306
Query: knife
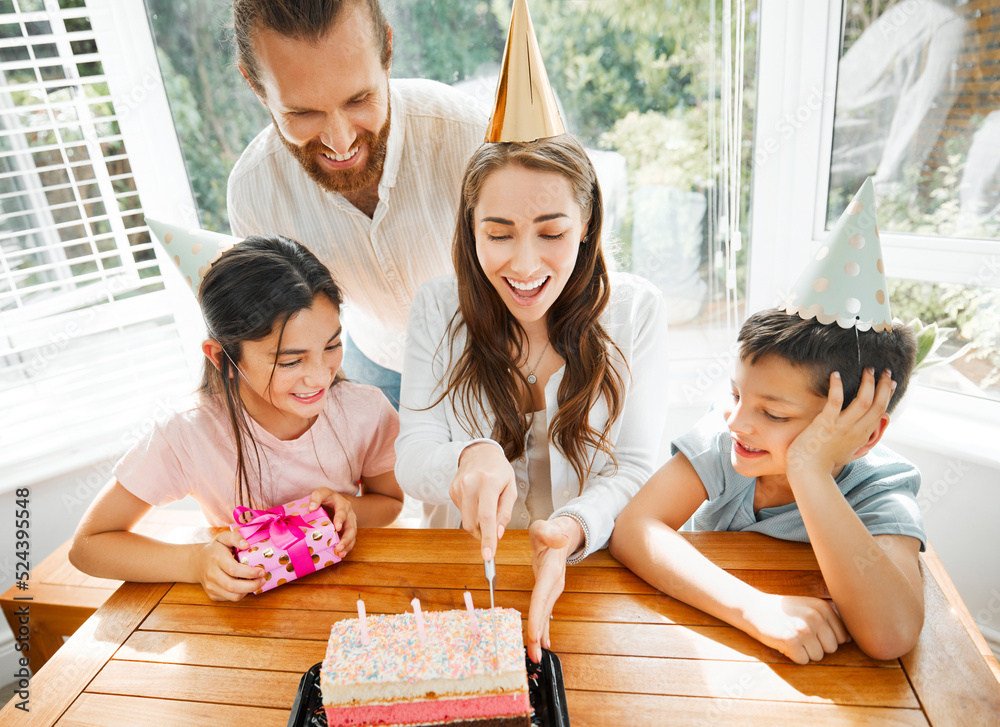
491,574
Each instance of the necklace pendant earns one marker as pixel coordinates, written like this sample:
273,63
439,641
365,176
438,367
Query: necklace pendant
531,378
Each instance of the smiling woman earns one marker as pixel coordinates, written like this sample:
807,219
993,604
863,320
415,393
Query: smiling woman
528,260
533,389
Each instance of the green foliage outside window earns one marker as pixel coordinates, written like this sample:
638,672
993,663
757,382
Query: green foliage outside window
454,38
215,112
632,77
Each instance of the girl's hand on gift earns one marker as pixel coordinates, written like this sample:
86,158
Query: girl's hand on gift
345,520
222,576
485,491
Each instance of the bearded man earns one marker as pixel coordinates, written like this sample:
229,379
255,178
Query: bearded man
363,171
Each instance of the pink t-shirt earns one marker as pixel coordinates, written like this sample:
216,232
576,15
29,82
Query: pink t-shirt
193,453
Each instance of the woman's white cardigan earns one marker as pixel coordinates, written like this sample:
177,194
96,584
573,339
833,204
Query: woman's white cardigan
431,440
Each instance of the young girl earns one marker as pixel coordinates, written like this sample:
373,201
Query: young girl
274,421
534,389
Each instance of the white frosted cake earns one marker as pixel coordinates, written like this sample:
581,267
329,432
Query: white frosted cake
451,677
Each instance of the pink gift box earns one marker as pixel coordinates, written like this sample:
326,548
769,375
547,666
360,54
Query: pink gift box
287,541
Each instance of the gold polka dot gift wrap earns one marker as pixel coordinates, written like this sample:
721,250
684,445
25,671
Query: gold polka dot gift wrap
286,541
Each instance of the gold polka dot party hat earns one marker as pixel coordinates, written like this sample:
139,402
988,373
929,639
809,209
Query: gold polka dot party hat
844,283
193,251
525,108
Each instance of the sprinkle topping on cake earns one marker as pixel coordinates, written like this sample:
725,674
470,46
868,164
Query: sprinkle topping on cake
451,650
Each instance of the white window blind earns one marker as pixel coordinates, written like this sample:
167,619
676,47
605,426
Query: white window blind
89,346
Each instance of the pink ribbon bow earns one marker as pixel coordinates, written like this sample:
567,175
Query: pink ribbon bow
285,530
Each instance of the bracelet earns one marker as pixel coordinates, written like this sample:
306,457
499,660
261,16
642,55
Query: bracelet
574,558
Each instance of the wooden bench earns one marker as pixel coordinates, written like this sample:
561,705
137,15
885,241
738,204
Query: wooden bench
62,597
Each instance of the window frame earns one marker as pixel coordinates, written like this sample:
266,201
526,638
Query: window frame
796,92
131,71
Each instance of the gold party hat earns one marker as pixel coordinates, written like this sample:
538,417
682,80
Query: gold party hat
193,251
525,107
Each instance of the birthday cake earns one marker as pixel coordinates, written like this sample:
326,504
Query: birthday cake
386,671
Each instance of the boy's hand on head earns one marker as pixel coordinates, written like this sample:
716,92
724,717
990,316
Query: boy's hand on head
832,438
222,576
345,520
803,629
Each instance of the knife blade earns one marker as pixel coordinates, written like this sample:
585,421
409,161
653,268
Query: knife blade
491,574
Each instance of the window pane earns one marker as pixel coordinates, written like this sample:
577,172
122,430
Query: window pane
66,258
968,320
918,110
215,112
638,82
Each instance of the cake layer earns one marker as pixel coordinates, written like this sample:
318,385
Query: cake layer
433,711
509,683
452,660
520,720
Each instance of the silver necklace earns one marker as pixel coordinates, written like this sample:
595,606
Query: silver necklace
531,373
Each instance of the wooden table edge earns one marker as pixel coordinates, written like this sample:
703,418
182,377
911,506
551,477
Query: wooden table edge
64,677
937,569
955,682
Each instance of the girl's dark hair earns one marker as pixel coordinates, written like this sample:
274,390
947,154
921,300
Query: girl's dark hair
248,293
823,349
308,20
485,376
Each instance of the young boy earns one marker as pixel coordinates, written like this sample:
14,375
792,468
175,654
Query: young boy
795,455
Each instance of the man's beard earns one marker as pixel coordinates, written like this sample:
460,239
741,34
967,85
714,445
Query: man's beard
343,181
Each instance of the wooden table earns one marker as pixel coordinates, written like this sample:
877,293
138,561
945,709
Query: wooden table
63,598
163,654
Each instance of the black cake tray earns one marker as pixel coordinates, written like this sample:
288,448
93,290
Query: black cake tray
545,690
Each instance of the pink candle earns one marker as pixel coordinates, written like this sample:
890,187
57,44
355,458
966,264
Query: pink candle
363,622
420,619
473,622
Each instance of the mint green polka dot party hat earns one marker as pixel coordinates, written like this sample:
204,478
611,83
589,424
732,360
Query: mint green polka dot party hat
193,251
845,281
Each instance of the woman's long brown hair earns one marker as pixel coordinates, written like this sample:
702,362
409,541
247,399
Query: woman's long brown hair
485,377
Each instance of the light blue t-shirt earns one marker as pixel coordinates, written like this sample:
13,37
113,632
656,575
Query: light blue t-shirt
881,487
